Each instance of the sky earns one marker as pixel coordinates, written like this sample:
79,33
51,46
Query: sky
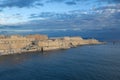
82,15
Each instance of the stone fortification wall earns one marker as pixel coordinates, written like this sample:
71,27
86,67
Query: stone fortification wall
38,37
65,43
53,44
13,44
18,44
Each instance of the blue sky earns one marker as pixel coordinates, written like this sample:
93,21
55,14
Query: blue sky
60,14
19,11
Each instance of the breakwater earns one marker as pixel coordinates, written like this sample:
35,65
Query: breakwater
15,44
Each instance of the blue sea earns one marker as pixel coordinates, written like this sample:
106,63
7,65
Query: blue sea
92,62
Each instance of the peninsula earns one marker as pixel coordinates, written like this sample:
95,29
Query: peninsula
15,44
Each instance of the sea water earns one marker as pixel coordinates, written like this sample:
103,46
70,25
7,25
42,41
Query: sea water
92,62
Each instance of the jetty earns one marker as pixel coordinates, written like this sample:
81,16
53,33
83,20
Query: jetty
17,44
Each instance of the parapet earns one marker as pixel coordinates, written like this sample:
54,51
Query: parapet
2,36
38,37
73,38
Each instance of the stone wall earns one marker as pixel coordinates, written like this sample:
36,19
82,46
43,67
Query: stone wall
18,44
38,37
53,44
2,36
14,44
65,43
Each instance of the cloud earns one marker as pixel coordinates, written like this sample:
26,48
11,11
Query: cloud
89,20
108,10
39,4
109,1
31,3
71,3
94,19
51,1
98,18
53,15
110,6
67,2
19,3
10,19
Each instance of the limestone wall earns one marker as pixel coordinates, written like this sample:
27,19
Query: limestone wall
2,36
54,44
38,37
14,44
19,44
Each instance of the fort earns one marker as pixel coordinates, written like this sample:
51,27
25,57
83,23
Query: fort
15,44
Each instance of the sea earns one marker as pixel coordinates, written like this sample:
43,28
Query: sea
90,62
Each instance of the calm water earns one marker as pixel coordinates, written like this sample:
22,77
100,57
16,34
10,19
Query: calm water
96,62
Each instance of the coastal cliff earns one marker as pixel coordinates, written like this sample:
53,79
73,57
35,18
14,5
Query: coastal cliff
31,43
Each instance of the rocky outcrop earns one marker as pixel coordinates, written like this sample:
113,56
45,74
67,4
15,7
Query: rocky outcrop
20,44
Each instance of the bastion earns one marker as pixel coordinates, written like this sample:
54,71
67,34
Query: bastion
15,44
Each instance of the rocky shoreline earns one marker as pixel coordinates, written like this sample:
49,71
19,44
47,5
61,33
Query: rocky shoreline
16,44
